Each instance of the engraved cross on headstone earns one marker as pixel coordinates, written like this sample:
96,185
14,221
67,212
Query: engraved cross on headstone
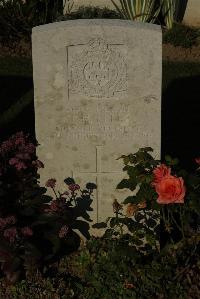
99,173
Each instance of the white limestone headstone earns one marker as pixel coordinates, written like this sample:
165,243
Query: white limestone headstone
97,92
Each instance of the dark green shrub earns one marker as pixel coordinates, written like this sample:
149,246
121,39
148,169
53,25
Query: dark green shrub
17,17
89,12
182,35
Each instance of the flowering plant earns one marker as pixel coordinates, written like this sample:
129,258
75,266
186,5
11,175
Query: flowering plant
36,229
164,202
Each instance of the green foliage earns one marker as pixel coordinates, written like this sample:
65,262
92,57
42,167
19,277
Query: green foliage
106,267
147,10
168,10
139,10
139,214
17,17
182,35
90,12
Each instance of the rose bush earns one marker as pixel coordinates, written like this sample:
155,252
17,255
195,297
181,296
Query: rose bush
163,193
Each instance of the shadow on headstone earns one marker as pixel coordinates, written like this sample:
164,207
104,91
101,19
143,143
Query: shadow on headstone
83,206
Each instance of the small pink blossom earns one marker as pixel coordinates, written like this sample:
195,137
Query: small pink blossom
38,164
51,183
10,220
54,206
74,187
6,146
13,161
30,148
63,231
27,231
10,234
19,140
17,163
20,165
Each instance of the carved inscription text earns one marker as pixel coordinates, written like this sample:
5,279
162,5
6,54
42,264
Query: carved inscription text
106,122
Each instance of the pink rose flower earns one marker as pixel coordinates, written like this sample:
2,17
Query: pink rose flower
159,172
51,183
170,190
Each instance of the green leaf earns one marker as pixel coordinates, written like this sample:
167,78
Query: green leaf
68,181
27,212
113,222
131,199
123,184
55,242
146,149
175,161
168,159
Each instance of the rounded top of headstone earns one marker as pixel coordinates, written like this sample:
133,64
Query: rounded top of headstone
97,22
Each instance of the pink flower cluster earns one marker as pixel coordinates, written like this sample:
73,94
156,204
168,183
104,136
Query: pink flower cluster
10,234
63,231
18,150
7,221
170,189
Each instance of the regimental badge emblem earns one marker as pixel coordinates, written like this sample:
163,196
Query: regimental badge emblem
98,71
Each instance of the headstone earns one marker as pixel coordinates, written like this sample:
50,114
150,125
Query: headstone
192,13
97,90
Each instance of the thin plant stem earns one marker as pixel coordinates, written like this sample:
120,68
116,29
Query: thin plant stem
178,226
55,192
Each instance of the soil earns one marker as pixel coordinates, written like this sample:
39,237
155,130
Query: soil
23,49
173,53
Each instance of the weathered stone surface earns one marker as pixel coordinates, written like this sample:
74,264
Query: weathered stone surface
97,86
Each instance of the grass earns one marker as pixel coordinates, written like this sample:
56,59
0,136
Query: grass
182,35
